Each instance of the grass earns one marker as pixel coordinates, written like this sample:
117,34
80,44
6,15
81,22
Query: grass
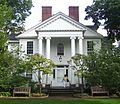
60,101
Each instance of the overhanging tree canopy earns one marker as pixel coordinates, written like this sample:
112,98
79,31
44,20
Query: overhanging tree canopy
20,9
106,13
39,63
5,15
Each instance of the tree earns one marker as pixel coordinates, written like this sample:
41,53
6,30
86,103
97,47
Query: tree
11,65
5,15
106,13
12,68
104,69
38,63
80,67
12,17
20,10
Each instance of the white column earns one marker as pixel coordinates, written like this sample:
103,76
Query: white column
40,44
80,45
72,45
48,47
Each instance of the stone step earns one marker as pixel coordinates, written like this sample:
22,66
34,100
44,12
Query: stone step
61,91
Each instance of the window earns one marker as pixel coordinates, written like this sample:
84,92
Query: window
67,72
53,73
90,47
60,49
29,74
30,47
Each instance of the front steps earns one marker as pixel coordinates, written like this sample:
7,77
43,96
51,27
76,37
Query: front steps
61,91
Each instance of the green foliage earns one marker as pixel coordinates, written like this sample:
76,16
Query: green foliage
39,63
4,94
79,61
106,12
5,15
20,10
12,15
100,68
104,69
34,87
11,71
80,66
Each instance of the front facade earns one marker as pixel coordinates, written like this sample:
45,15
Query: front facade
59,37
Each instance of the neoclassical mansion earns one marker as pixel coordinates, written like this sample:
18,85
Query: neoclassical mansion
59,37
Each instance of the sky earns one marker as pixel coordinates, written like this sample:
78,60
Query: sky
57,6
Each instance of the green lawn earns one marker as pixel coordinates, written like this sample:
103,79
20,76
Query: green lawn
61,101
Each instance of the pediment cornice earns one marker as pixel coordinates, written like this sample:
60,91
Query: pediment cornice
59,16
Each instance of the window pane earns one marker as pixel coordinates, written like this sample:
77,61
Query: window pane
30,47
90,47
60,49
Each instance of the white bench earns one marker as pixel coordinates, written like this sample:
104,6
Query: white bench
22,90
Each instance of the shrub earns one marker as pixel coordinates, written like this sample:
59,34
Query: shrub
4,94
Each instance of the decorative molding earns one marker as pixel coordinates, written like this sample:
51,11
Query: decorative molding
48,37
59,30
40,38
80,37
27,37
65,18
72,37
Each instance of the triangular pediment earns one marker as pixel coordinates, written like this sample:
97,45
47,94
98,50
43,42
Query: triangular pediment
60,22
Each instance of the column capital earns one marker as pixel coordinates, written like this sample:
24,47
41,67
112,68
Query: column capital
40,38
80,37
72,37
48,37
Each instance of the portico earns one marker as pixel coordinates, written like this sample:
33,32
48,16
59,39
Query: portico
51,42
74,41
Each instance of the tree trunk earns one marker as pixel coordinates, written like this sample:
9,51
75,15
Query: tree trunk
82,87
46,78
39,81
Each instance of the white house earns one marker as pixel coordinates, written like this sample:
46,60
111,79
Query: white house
59,37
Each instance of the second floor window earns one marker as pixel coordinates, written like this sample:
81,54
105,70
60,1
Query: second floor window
60,49
30,47
90,47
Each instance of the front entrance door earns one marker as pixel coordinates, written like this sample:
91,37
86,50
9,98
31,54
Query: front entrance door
60,74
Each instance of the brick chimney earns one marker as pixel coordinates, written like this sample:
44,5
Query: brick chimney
46,12
74,12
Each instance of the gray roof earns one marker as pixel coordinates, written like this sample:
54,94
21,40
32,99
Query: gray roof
12,36
92,27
